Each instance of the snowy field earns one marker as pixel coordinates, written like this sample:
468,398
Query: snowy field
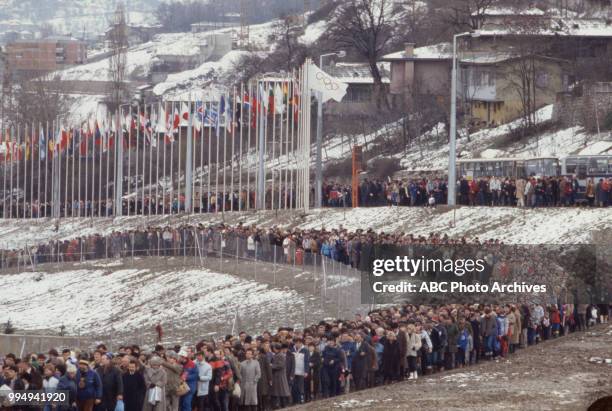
111,301
512,225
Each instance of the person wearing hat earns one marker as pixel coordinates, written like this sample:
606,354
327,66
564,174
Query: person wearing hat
112,383
89,387
173,377
190,376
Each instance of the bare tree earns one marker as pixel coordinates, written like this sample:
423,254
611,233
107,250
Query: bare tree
32,101
289,53
364,27
118,59
463,14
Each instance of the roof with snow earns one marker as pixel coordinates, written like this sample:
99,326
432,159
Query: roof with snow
440,51
510,11
571,27
356,73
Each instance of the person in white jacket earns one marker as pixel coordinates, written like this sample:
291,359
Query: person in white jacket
414,345
205,374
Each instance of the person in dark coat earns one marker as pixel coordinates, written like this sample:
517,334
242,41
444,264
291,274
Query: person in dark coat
264,385
67,382
390,359
313,380
332,365
280,387
134,388
112,384
360,362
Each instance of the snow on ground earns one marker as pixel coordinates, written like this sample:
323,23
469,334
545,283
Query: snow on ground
313,32
82,106
127,300
194,80
512,225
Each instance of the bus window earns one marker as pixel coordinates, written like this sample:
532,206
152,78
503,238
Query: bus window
570,166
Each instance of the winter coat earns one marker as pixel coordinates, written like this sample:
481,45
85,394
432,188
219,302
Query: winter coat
390,360
414,344
251,373
191,375
134,391
89,385
263,385
514,327
452,333
488,326
402,340
157,377
361,362
112,386
173,377
69,385
280,386
204,377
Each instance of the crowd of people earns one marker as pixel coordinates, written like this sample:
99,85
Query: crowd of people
293,246
290,366
483,191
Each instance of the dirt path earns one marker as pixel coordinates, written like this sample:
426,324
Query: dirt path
555,375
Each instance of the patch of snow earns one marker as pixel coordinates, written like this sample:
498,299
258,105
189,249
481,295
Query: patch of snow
127,300
313,32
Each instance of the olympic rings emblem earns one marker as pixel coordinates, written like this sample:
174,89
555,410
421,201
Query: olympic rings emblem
327,82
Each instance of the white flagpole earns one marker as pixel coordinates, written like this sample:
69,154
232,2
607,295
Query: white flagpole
171,161
17,183
144,153
25,168
150,158
38,174
179,148
209,157
4,163
79,172
248,153
86,194
156,134
202,134
47,167
25,165
72,177
66,176
136,194
273,107
109,130
225,121
217,161
102,137
129,167
240,147
164,159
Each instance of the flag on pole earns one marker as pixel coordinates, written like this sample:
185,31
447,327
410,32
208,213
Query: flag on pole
278,99
329,87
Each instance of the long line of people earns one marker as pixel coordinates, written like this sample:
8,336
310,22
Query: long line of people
268,244
290,366
482,191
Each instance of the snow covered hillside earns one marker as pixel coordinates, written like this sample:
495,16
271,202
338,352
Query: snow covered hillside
76,16
106,300
512,225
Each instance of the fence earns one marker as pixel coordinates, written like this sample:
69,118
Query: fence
329,288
